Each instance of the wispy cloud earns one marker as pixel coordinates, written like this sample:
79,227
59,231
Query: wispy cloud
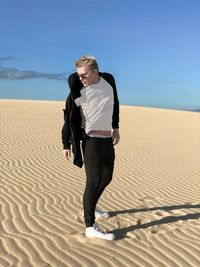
8,58
15,74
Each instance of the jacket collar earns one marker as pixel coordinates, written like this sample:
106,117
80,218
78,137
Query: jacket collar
76,85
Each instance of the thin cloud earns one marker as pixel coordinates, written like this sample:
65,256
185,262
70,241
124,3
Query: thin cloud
8,58
15,74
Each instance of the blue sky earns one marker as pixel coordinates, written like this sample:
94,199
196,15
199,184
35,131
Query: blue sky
152,47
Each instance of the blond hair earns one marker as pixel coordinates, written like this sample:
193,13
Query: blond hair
88,61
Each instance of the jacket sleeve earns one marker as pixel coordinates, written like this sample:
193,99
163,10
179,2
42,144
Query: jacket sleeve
110,79
75,85
115,117
66,131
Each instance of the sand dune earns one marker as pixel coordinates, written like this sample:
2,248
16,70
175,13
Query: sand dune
154,198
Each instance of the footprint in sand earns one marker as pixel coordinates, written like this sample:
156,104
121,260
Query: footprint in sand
133,235
126,222
177,212
149,198
161,229
161,213
190,203
141,221
123,224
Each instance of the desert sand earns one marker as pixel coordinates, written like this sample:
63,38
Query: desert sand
154,198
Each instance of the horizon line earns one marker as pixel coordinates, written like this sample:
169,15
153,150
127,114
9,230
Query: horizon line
121,104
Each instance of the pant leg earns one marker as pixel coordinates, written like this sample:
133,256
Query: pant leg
93,167
108,167
99,163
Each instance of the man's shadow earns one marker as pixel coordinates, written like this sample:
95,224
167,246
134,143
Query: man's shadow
121,233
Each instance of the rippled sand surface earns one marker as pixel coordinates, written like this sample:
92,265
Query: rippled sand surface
154,198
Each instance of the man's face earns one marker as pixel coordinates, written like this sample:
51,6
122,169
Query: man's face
87,76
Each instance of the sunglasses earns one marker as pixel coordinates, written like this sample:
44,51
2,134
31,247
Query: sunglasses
84,75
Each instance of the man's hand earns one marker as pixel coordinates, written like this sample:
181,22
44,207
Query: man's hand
115,136
67,153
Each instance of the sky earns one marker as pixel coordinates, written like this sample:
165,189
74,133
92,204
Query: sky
152,48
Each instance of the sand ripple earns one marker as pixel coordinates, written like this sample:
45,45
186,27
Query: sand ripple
153,199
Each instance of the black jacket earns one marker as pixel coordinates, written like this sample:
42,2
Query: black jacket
72,132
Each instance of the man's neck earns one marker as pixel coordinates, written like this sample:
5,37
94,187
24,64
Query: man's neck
96,80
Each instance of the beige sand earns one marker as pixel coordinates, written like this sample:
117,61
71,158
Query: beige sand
154,196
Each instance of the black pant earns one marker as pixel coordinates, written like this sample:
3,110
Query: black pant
99,158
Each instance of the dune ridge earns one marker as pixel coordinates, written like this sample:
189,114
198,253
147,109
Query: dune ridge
153,199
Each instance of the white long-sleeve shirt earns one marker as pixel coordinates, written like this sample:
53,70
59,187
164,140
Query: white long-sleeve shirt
96,104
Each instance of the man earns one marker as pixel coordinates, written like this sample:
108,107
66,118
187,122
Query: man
92,115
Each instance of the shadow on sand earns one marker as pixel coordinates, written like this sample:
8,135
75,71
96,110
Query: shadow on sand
121,233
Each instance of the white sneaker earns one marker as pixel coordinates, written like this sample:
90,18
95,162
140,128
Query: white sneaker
101,214
95,231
